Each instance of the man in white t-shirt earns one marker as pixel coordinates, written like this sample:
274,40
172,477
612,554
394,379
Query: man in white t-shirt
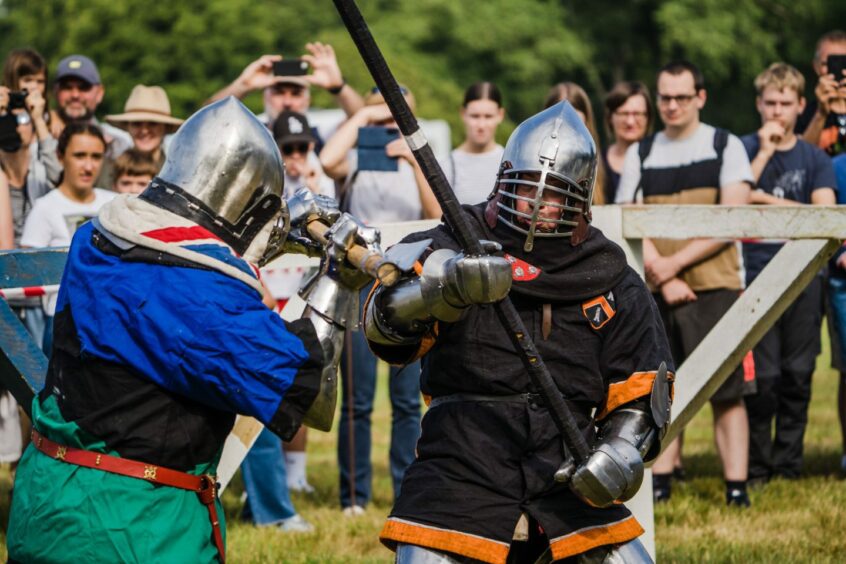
56,216
694,282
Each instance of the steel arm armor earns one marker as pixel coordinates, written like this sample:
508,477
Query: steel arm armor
627,438
448,284
332,305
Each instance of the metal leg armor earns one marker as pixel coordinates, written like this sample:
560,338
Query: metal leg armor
412,554
632,552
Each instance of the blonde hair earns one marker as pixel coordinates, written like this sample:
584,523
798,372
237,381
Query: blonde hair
780,76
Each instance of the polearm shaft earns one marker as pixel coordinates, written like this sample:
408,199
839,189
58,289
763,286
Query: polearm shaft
464,231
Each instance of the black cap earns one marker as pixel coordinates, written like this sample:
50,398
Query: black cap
291,127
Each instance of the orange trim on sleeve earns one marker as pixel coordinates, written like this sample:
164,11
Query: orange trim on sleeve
583,540
472,546
638,385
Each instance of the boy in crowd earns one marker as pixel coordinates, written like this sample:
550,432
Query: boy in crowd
788,172
133,172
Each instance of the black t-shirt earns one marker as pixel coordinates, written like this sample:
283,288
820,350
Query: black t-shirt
793,175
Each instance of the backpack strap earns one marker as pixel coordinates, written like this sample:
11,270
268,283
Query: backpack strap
643,150
721,137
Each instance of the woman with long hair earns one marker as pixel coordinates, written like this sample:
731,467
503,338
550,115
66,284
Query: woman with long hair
578,98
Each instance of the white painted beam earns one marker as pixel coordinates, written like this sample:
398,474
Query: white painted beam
740,329
734,222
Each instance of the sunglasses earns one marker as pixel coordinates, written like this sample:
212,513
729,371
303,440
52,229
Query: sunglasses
289,150
403,90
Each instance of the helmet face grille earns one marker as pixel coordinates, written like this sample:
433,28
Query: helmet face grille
545,185
529,200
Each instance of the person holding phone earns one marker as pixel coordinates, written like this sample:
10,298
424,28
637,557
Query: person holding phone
371,191
472,166
286,83
824,121
375,195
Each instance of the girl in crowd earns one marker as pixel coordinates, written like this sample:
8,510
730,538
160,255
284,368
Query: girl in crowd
55,217
628,119
472,167
578,98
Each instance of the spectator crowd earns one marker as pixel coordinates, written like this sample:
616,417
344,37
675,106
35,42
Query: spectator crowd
59,164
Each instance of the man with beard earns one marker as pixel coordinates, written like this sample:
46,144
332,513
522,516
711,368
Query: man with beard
79,91
489,449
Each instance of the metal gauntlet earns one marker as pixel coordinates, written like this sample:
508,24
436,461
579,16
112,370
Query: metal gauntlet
448,285
614,471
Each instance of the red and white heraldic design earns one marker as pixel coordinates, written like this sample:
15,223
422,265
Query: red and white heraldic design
522,271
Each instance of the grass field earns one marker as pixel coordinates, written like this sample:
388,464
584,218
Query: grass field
797,521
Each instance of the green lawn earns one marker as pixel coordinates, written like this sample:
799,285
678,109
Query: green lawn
788,522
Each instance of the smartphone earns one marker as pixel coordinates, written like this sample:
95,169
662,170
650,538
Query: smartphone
371,149
10,141
290,67
836,65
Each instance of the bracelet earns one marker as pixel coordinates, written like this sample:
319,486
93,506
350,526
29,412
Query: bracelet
337,90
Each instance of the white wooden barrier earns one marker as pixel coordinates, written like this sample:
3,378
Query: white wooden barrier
815,234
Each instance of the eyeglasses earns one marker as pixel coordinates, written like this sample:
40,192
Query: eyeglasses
289,150
681,99
639,116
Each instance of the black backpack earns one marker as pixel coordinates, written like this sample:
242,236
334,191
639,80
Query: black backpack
721,137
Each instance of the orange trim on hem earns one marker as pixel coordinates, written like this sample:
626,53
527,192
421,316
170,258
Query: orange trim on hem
583,540
636,386
472,546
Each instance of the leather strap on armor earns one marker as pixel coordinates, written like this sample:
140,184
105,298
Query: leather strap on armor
204,486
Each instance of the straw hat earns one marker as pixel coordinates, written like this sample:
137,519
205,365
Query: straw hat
146,103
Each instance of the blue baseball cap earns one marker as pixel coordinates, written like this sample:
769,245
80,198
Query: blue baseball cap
78,66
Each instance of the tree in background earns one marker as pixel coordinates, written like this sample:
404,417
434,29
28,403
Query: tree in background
437,47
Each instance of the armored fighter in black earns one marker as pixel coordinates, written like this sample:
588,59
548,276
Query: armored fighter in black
489,449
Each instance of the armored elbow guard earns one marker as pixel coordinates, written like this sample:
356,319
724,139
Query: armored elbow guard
627,438
449,283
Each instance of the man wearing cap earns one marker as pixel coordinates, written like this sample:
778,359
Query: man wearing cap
293,93
296,141
79,91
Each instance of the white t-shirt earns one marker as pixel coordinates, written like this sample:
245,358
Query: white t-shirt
472,175
383,197
53,221
668,153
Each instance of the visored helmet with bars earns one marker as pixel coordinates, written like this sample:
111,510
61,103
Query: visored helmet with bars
554,152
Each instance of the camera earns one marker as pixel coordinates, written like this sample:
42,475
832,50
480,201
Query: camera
17,100
290,67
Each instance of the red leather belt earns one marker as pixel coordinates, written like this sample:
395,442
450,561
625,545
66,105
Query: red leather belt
205,486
